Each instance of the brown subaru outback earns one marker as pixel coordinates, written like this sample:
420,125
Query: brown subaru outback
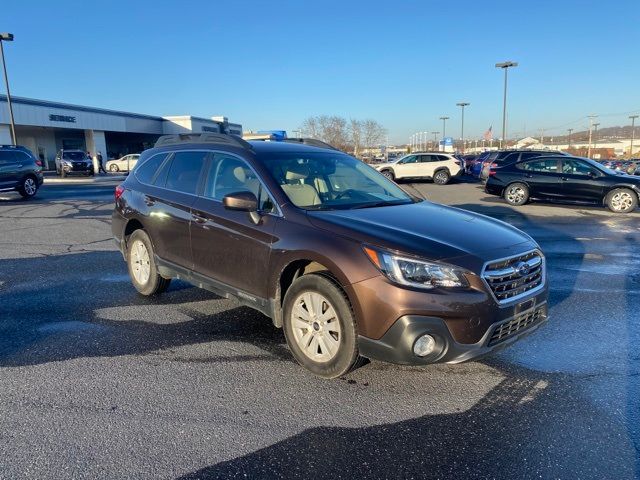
347,262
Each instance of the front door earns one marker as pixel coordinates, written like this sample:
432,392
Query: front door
227,245
408,167
579,180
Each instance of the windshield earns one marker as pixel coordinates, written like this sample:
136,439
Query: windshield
329,181
74,155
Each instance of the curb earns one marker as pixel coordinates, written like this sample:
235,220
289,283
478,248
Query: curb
77,181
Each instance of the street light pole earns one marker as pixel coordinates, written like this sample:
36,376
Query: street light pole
633,126
570,130
444,130
462,105
505,66
8,37
435,139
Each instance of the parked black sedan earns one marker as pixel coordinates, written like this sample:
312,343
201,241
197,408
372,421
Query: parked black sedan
564,178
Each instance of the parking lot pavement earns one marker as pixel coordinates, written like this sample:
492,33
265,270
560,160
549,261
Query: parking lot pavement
98,382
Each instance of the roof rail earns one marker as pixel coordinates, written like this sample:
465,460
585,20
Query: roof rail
219,138
312,142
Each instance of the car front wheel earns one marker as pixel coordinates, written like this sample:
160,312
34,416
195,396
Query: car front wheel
319,326
389,174
516,194
621,200
142,266
113,167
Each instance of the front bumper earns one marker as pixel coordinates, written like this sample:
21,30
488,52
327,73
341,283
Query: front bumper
77,168
396,345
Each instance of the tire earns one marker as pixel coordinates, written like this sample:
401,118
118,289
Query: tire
389,174
29,187
142,266
114,168
325,345
621,200
441,177
516,194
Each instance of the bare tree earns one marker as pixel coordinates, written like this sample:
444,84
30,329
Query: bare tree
372,133
331,129
355,131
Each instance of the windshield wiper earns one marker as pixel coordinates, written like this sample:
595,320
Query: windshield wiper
385,203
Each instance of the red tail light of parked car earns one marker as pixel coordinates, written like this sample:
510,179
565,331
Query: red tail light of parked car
118,192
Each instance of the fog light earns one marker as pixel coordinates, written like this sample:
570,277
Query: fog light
424,345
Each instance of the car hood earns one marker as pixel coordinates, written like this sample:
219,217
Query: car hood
428,230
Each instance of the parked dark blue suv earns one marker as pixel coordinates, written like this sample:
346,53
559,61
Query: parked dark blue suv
20,170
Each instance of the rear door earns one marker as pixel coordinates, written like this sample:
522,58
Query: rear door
168,201
579,180
9,169
542,175
227,245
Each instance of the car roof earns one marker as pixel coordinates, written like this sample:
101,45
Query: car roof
259,146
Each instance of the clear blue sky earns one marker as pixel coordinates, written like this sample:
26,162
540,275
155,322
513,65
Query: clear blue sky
271,64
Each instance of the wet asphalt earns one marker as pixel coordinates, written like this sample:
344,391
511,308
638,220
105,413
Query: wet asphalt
98,382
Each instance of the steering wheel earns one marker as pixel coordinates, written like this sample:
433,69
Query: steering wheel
343,194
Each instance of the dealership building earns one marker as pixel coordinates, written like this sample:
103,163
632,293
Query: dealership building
46,127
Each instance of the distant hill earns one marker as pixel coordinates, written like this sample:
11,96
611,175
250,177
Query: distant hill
609,133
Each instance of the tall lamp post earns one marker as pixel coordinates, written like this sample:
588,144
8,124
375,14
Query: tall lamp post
570,130
435,139
591,117
8,37
505,66
633,126
444,130
462,105
595,135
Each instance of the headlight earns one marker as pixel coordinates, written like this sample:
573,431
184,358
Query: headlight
416,273
66,163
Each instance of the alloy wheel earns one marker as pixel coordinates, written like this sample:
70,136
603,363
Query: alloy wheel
516,194
316,327
140,262
30,187
621,201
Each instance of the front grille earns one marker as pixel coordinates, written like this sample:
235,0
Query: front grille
513,277
518,323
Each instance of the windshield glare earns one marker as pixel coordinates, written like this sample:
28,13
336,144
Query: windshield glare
328,181
74,155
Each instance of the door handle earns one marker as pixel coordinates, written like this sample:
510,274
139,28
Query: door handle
564,179
198,218
149,202
528,175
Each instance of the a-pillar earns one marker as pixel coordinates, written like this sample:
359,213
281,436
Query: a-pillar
96,142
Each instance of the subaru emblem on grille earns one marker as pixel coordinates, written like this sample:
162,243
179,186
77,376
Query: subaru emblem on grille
522,269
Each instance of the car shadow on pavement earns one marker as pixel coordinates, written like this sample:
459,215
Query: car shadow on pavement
73,313
528,426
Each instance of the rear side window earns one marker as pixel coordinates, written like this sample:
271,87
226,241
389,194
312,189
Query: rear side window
549,165
184,172
443,158
6,157
146,172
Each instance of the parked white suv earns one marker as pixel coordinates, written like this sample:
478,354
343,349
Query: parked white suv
438,166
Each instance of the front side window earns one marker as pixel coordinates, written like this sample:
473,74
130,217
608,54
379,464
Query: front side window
331,180
576,167
228,174
184,171
410,159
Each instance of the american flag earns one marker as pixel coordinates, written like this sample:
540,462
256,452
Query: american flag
488,135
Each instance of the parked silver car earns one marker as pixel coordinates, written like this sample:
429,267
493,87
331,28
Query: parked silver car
123,164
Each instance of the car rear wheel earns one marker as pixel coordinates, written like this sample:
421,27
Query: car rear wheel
142,266
621,200
516,194
389,174
28,188
319,326
441,177
113,168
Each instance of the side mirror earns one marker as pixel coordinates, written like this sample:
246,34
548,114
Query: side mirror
242,201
